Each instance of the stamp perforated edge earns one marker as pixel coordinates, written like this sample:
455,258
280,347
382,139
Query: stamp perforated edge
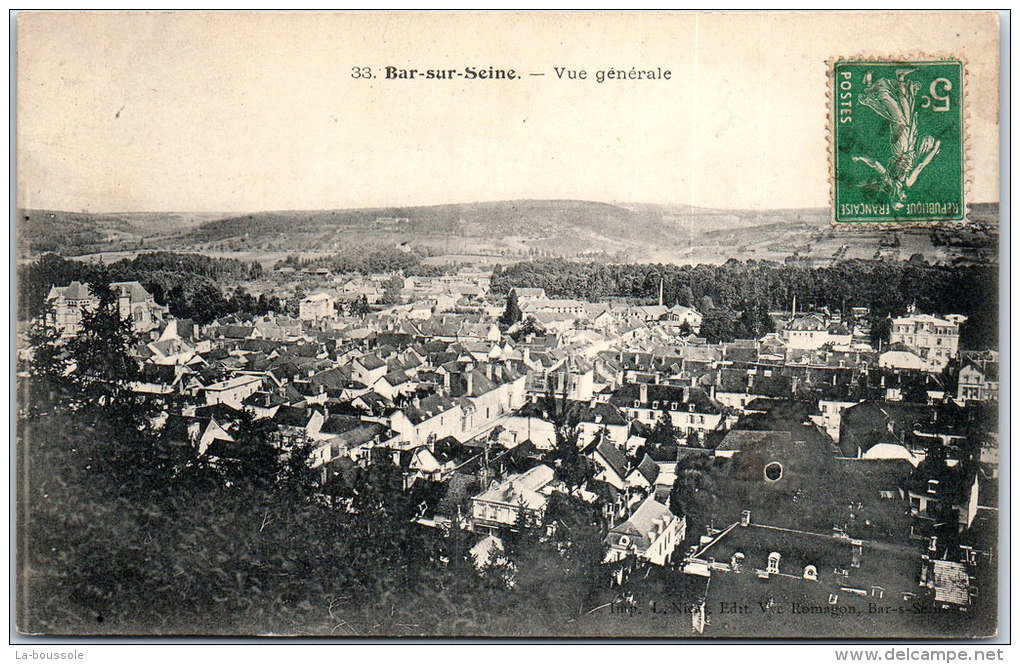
830,139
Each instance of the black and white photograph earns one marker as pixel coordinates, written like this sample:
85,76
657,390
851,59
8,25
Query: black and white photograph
674,326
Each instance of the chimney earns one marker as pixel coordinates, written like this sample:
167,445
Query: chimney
470,376
488,370
644,393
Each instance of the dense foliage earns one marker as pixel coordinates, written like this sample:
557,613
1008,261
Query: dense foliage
360,261
885,287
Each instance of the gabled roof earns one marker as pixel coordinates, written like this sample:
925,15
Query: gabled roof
744,440
336,378
522,489
75,291
639,527
952,582
236,331
648,469
428,408
811,322
612,457
395,378
370,362
293,416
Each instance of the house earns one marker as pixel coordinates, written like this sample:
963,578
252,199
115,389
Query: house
394,384
645,475
651,533
935,340
198,431
171,351
428,419
161,379
342,437
738,440
317,306
297,424
691,409
979,377
903,359
263,404
418,463
809,331
368,369
680,315
233,391
134,303
528,294
519,497
932,485
612,463
488,551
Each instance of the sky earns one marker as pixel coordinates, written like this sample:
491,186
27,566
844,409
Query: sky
194,111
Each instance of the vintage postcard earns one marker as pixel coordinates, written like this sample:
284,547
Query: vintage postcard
508,324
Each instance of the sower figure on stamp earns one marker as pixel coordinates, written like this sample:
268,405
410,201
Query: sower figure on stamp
895,101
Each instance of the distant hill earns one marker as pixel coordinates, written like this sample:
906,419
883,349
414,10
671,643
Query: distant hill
76,233
508,228
500,230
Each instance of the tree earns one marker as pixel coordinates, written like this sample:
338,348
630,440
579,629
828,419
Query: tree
573,468
100,351
391,291
526,328
661,443
512,313
49,356
881,329
693,496
258,460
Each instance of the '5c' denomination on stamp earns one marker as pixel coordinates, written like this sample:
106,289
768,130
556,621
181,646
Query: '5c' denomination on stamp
898,141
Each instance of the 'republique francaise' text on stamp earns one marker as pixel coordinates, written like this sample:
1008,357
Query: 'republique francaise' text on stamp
898,141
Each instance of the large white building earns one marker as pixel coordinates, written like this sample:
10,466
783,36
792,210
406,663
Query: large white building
935,340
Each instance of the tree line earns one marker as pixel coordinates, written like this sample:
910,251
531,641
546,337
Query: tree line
886,288
376,261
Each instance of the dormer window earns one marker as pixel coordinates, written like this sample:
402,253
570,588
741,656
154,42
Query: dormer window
655,405
672,406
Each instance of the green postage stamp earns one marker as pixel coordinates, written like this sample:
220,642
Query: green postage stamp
898,141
